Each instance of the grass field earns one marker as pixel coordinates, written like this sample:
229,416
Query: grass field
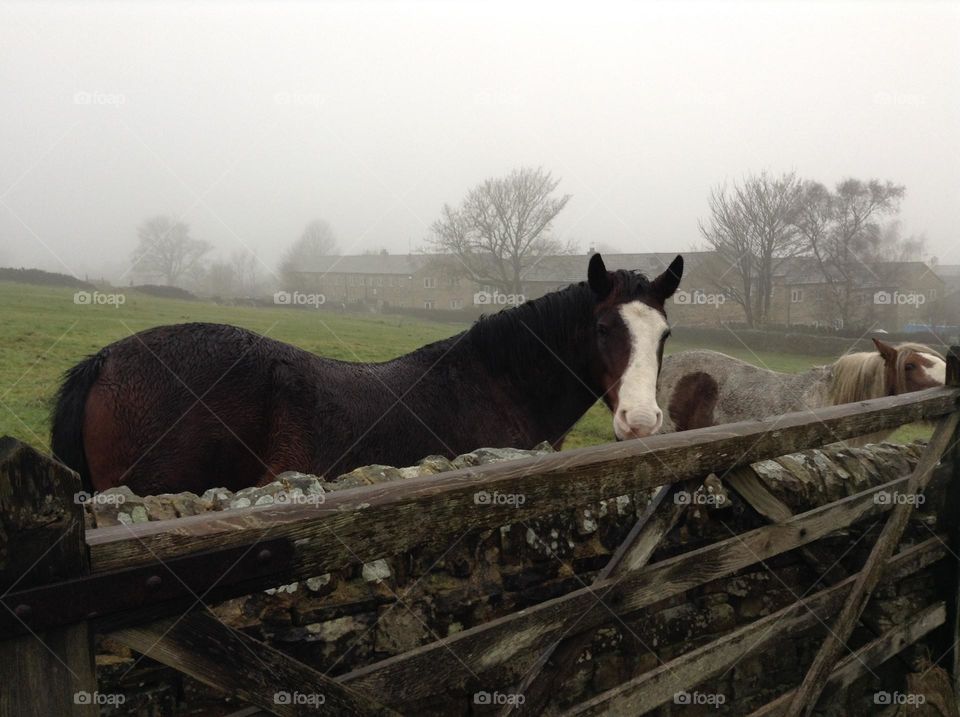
43,332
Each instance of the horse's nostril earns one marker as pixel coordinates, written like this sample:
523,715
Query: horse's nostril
639,422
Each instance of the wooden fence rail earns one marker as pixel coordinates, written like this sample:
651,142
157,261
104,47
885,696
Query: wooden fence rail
368,523
148,584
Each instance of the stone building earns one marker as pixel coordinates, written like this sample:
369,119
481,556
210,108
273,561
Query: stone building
886,295
382,281
950,274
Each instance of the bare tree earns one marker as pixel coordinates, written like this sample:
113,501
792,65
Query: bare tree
751,227
165,247
317,240
221,279
244,263
889,244
842,231
502,229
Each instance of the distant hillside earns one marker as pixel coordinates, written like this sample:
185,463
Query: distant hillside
43,278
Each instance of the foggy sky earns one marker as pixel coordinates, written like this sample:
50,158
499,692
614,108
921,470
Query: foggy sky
250,120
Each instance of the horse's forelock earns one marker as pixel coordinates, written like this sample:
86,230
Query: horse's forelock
629,286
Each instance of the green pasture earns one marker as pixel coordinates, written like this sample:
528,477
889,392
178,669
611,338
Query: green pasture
43,332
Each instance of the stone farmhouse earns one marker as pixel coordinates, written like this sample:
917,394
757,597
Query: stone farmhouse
891,295
888,295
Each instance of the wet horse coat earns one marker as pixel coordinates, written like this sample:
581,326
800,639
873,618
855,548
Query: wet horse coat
195,406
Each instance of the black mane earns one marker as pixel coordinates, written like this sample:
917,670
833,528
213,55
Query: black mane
556,323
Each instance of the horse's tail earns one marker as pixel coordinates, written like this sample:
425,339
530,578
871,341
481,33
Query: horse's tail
66,436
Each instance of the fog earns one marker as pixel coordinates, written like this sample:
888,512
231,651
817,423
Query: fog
249,120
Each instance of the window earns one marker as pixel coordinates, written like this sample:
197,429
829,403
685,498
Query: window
369,281
429,282
391,281
456,303
379,281
932,294
428,304
796,296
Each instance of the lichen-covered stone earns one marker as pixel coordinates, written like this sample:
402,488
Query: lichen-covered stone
368,475
217,498
352,617
159,507
376,571
401,628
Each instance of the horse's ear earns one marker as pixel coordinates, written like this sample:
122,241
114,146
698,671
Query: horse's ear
663,286
598,277
888,352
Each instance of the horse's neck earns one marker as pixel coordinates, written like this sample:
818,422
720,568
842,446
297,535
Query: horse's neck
536,361
539,398
813,386
547,393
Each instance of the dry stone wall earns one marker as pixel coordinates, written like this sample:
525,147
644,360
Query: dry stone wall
341,621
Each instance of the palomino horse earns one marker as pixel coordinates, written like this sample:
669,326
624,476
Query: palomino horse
193,406
704,388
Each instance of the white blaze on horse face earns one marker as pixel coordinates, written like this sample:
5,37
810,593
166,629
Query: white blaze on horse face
637,413
938,372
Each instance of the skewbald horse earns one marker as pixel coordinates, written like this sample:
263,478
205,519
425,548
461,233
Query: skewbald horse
705,388
194,406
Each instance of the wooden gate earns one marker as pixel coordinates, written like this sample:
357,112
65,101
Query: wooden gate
146,584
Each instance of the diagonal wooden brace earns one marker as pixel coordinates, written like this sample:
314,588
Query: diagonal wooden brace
805,698
658,518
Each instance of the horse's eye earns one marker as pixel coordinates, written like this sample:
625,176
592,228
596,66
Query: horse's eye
603,329
910,366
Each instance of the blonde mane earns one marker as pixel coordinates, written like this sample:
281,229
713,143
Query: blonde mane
859,376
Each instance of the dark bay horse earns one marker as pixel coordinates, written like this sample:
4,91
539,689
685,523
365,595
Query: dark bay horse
195,406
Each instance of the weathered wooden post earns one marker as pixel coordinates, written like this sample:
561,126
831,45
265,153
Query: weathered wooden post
48,672
951,521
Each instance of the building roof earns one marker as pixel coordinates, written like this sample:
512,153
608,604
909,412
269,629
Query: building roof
573,268
404,264
868,275
947,271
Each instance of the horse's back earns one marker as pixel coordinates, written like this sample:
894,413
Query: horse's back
735,390
177,405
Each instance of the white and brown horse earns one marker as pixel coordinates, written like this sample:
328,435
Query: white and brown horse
705,388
